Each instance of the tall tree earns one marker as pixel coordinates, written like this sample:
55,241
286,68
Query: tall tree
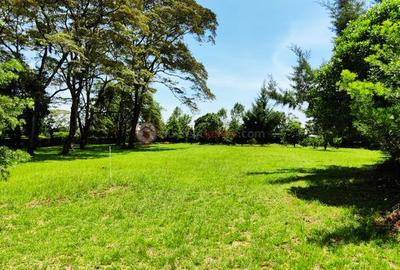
316,91
36,31
96,28
237,113
113,110
160,53
209,128
292,132
372,44
261,121
178,126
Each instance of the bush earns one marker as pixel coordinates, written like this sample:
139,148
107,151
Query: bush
293,133
209,128
252,141
337,142
314,142
9,158
61,134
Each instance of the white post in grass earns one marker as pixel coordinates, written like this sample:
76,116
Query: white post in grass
110,174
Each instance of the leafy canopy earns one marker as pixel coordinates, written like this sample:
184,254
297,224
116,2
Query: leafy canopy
10,110
374,85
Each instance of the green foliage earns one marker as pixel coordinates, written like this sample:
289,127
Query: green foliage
9,158
209,128
56,122
312,141
114,107
261,122
223,114
312,91
151,113
293,132
178,127
158,52
234,126
343,12
316,91
302,79
60,134
302,83
237,113
9,71
337,142
374,41
10,107
10,110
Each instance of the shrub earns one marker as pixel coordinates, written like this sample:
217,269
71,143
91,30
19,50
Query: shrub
293,133
252,141
209,128
60,134
8,158
337,142
314,141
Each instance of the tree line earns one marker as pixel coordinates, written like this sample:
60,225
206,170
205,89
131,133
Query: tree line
261,124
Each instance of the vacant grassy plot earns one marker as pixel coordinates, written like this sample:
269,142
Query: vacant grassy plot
188,206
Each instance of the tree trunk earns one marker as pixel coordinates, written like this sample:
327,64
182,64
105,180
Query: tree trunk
325,145
135,117
51,133
134,122
85,129
121,132
16,137
73,126
33,132
35,118
80,125
84,136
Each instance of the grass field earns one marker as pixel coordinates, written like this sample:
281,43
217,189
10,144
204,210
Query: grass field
189,206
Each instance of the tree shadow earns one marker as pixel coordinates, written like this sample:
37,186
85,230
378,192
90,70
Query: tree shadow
93,152
368,191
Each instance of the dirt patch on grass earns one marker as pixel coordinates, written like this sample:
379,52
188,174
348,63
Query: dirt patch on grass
38,203
99,193
108,191
239,244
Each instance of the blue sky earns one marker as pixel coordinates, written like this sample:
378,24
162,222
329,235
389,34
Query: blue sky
253,41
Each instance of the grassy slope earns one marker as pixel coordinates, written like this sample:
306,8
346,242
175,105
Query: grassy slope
188,206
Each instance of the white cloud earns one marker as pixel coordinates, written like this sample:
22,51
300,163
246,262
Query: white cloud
309,35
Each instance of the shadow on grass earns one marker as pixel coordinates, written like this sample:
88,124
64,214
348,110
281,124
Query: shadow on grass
93,152
369,191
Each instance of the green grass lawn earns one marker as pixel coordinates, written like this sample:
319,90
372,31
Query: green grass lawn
189,206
